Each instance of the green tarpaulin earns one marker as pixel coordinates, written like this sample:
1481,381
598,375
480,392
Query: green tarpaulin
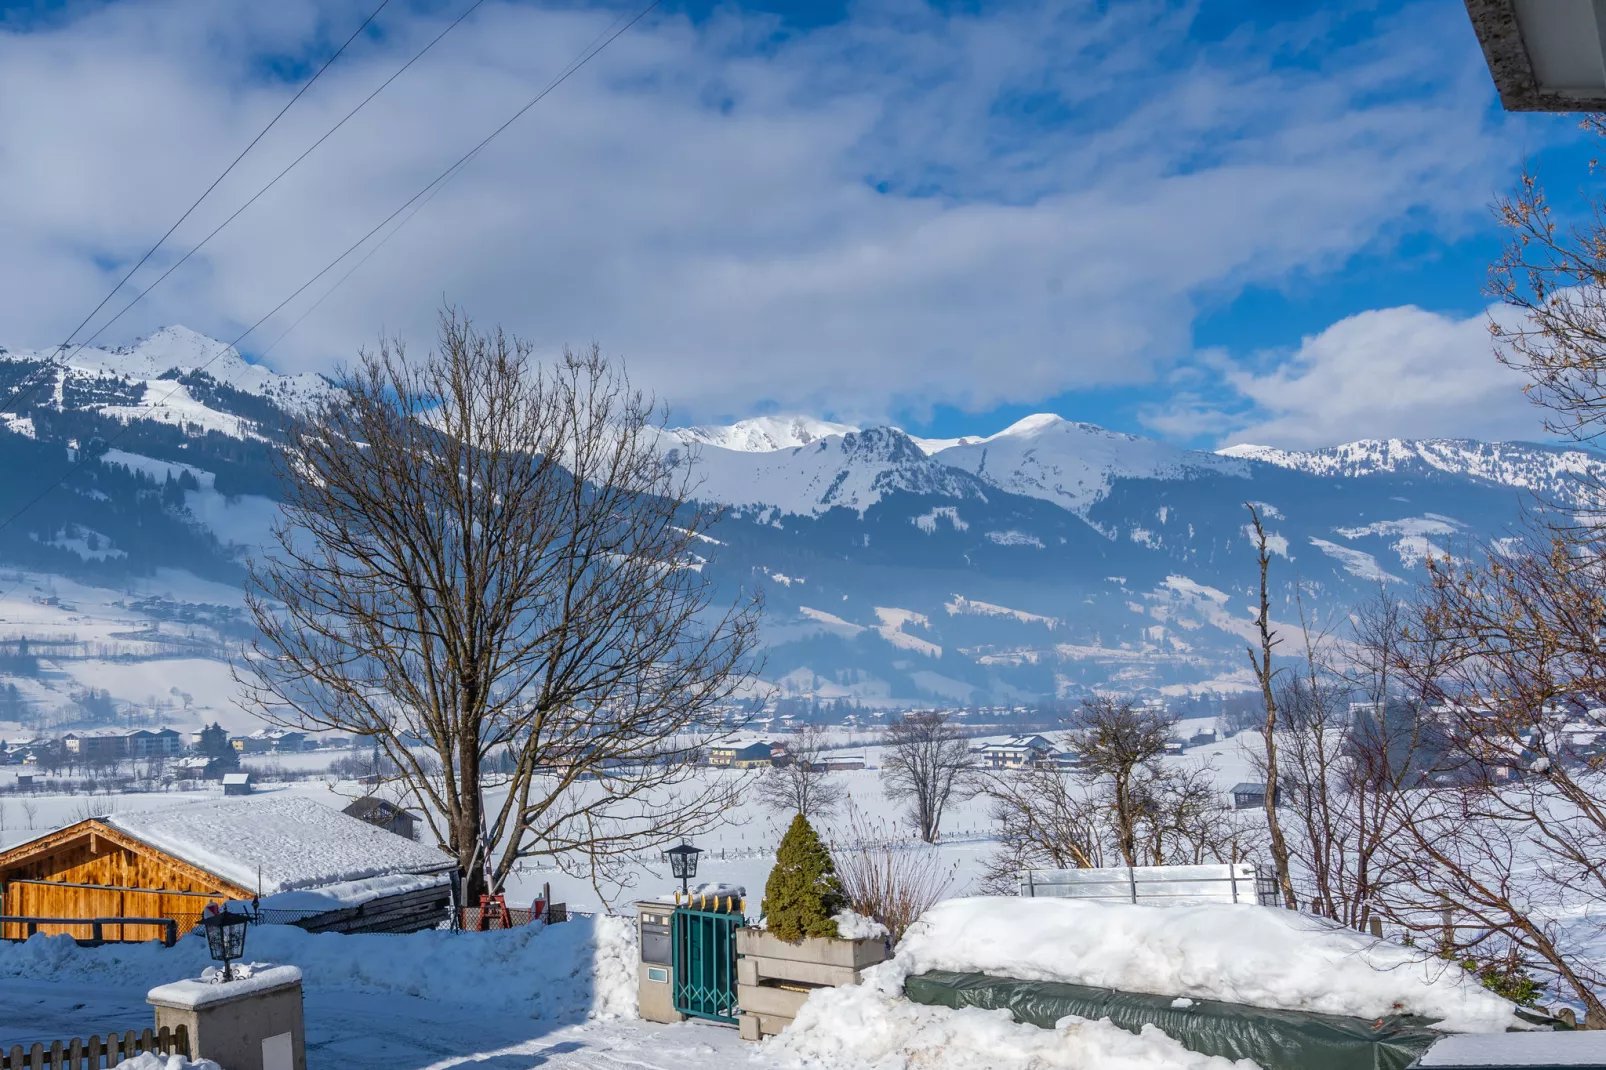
1276,1040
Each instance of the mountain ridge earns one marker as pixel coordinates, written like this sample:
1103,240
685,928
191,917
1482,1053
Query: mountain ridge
1050,557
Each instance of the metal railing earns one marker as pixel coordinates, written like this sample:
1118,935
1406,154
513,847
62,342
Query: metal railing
1151,885
97,926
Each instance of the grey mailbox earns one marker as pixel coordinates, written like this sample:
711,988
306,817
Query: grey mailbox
655,947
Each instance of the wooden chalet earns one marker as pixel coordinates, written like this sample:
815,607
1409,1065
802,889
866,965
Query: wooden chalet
91,870
312,866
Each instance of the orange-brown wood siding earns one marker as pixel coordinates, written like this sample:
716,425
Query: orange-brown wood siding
129,882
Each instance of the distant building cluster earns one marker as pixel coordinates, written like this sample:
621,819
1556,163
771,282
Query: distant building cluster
204,754
758,754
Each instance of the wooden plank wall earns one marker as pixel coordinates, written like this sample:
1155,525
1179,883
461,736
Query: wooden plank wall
112,880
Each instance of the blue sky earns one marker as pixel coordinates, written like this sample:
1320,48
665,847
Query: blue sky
1211,223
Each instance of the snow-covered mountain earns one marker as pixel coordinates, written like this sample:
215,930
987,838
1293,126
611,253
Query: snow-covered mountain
1552,472
1048,557
852,471
762,434
1074,464
174,376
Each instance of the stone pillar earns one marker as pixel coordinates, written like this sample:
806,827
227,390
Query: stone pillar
655,976
251,1023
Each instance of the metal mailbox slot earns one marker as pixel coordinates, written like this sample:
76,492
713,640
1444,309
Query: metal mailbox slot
655,943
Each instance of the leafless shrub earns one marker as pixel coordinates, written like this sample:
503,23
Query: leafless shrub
1119,804
891,880
91,808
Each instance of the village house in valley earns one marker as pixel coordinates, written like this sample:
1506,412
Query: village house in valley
321,869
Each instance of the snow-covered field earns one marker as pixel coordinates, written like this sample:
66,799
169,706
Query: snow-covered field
740,852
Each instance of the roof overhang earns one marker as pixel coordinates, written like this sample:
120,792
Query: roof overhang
1544,55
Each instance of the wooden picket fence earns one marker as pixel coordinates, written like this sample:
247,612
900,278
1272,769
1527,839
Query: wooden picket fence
95,1053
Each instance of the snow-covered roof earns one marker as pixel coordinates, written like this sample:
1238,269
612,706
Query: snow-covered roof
297,843
236,778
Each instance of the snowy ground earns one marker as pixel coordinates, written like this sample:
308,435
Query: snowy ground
525,998
565,996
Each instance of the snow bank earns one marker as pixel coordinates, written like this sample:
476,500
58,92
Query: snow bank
584,968
1238,954
872,1026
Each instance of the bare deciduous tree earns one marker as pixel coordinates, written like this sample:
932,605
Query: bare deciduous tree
1509,829
487,569
1119,801
1505,646
1044,818
802,783
1344,768
1260,661
1119,745
926,764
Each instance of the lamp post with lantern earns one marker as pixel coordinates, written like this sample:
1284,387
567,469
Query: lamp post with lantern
225,938
683,864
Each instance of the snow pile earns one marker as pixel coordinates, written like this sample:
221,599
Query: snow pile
872,1026
851,926
278,843
149,1060
190,994
584,968
1236,954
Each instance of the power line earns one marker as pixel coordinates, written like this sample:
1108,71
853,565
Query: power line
290,167
259,193
206,193
585,57
451,173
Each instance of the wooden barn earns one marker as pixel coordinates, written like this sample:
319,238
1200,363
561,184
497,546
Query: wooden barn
91,870
310,864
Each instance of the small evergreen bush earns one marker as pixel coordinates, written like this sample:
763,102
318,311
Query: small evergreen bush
803,891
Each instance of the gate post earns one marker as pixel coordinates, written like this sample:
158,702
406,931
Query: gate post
655,973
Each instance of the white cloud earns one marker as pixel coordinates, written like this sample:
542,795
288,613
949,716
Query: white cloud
1394,372
854,219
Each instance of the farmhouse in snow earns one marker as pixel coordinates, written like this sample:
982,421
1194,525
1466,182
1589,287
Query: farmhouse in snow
311,865
1017,752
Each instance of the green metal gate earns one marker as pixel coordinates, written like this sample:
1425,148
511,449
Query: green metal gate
705,963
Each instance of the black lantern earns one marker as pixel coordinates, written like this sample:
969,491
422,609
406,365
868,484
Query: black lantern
225,938
683,863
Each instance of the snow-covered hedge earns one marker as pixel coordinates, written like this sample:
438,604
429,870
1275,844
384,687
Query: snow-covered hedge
1239,954
581,968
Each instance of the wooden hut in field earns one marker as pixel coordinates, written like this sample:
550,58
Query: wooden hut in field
310,864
